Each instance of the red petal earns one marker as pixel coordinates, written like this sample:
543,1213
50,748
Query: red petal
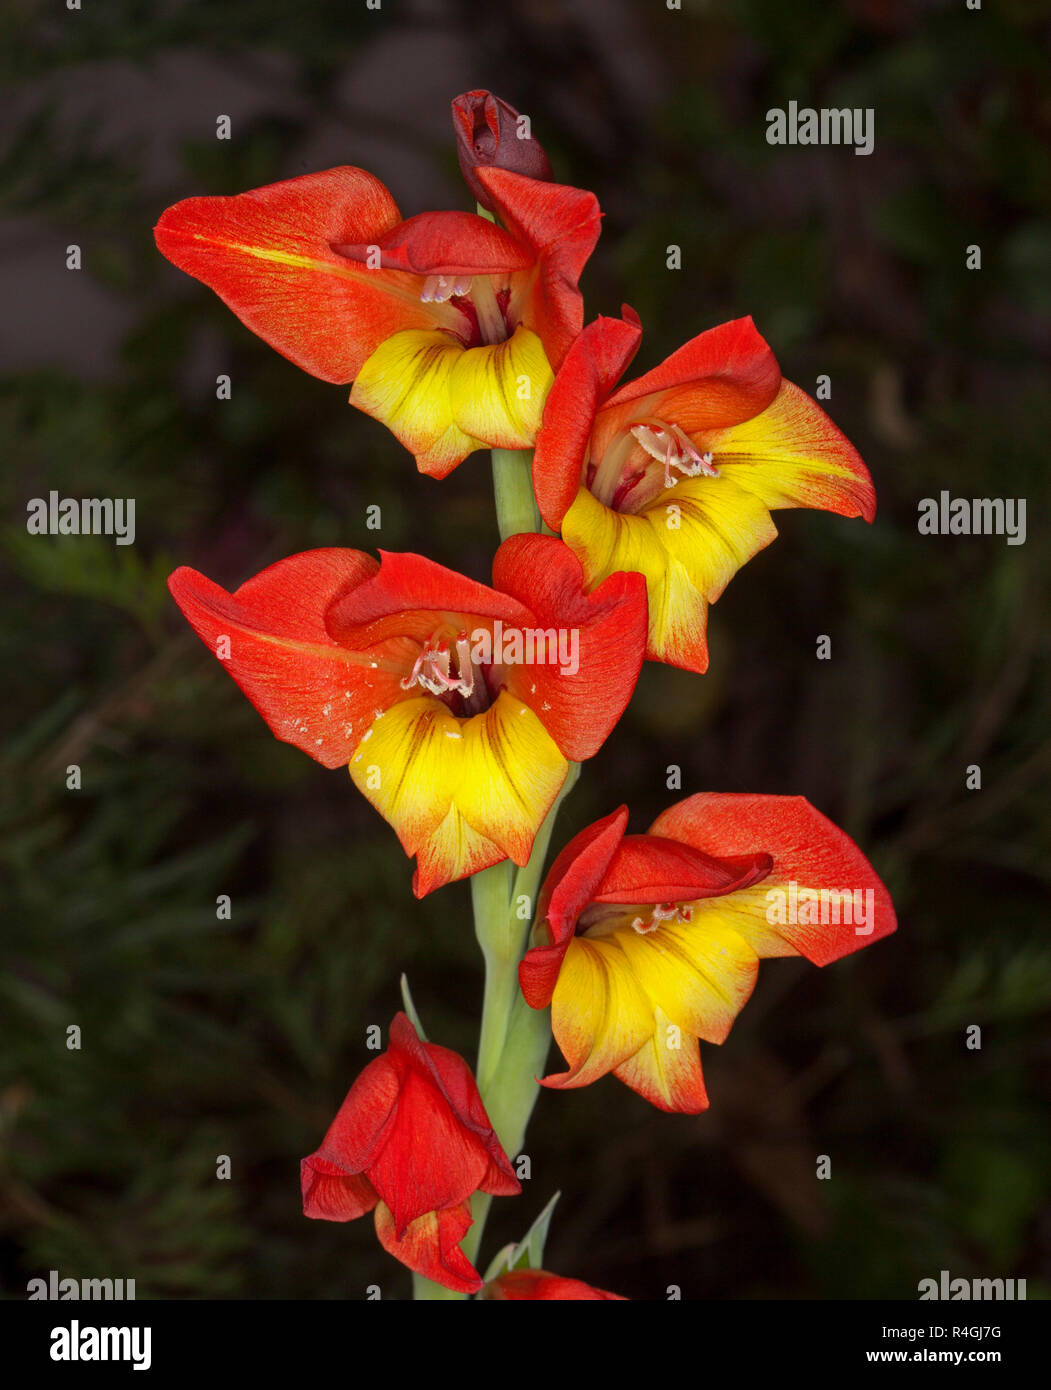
429,1158
446,243
332,1178
806,847
455,1079
568,888
561,225
363,1121
311,691
431,1246
329,1194
654,869
579,708
593,366
268,254
407,583
721,377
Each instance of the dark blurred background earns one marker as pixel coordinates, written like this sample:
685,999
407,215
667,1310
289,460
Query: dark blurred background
203,1037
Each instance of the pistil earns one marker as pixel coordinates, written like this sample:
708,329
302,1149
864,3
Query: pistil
491,323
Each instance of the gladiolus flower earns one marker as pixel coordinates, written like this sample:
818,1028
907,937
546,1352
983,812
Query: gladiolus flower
448,326
490,134
411,1142
647,943
457,707
521,1284
675,474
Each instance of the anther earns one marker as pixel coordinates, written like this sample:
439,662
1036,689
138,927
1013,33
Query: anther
438,289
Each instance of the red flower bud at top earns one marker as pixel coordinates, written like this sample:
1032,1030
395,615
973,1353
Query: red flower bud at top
491,134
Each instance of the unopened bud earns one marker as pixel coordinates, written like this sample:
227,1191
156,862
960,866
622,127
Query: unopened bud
491,134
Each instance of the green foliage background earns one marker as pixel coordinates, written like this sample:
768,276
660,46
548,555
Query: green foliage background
203,1037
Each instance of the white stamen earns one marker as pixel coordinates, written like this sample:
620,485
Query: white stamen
433,668
663,912
672,447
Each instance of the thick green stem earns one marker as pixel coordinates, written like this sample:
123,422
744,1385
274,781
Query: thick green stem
516,509
493,925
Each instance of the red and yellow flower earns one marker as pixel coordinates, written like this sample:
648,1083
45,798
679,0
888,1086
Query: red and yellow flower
412,1143
410,674
646,944
675,474
520,1285
449,326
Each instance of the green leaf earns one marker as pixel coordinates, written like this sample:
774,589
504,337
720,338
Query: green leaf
410,1008
529,1252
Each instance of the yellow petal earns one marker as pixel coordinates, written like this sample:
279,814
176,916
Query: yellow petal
635,1003
792,455
461,793
443,401
405,385
688,543
599,1015
699,973
498,392
666,1070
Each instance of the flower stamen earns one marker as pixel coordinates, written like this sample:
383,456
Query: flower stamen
439,289
433,669
670,445
663,912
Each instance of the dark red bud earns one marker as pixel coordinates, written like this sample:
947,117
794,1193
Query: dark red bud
489,133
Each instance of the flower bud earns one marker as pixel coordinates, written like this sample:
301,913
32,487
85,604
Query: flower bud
492,134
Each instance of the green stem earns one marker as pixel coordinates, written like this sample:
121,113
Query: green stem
427,1289
491,900
514,1039
516,509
